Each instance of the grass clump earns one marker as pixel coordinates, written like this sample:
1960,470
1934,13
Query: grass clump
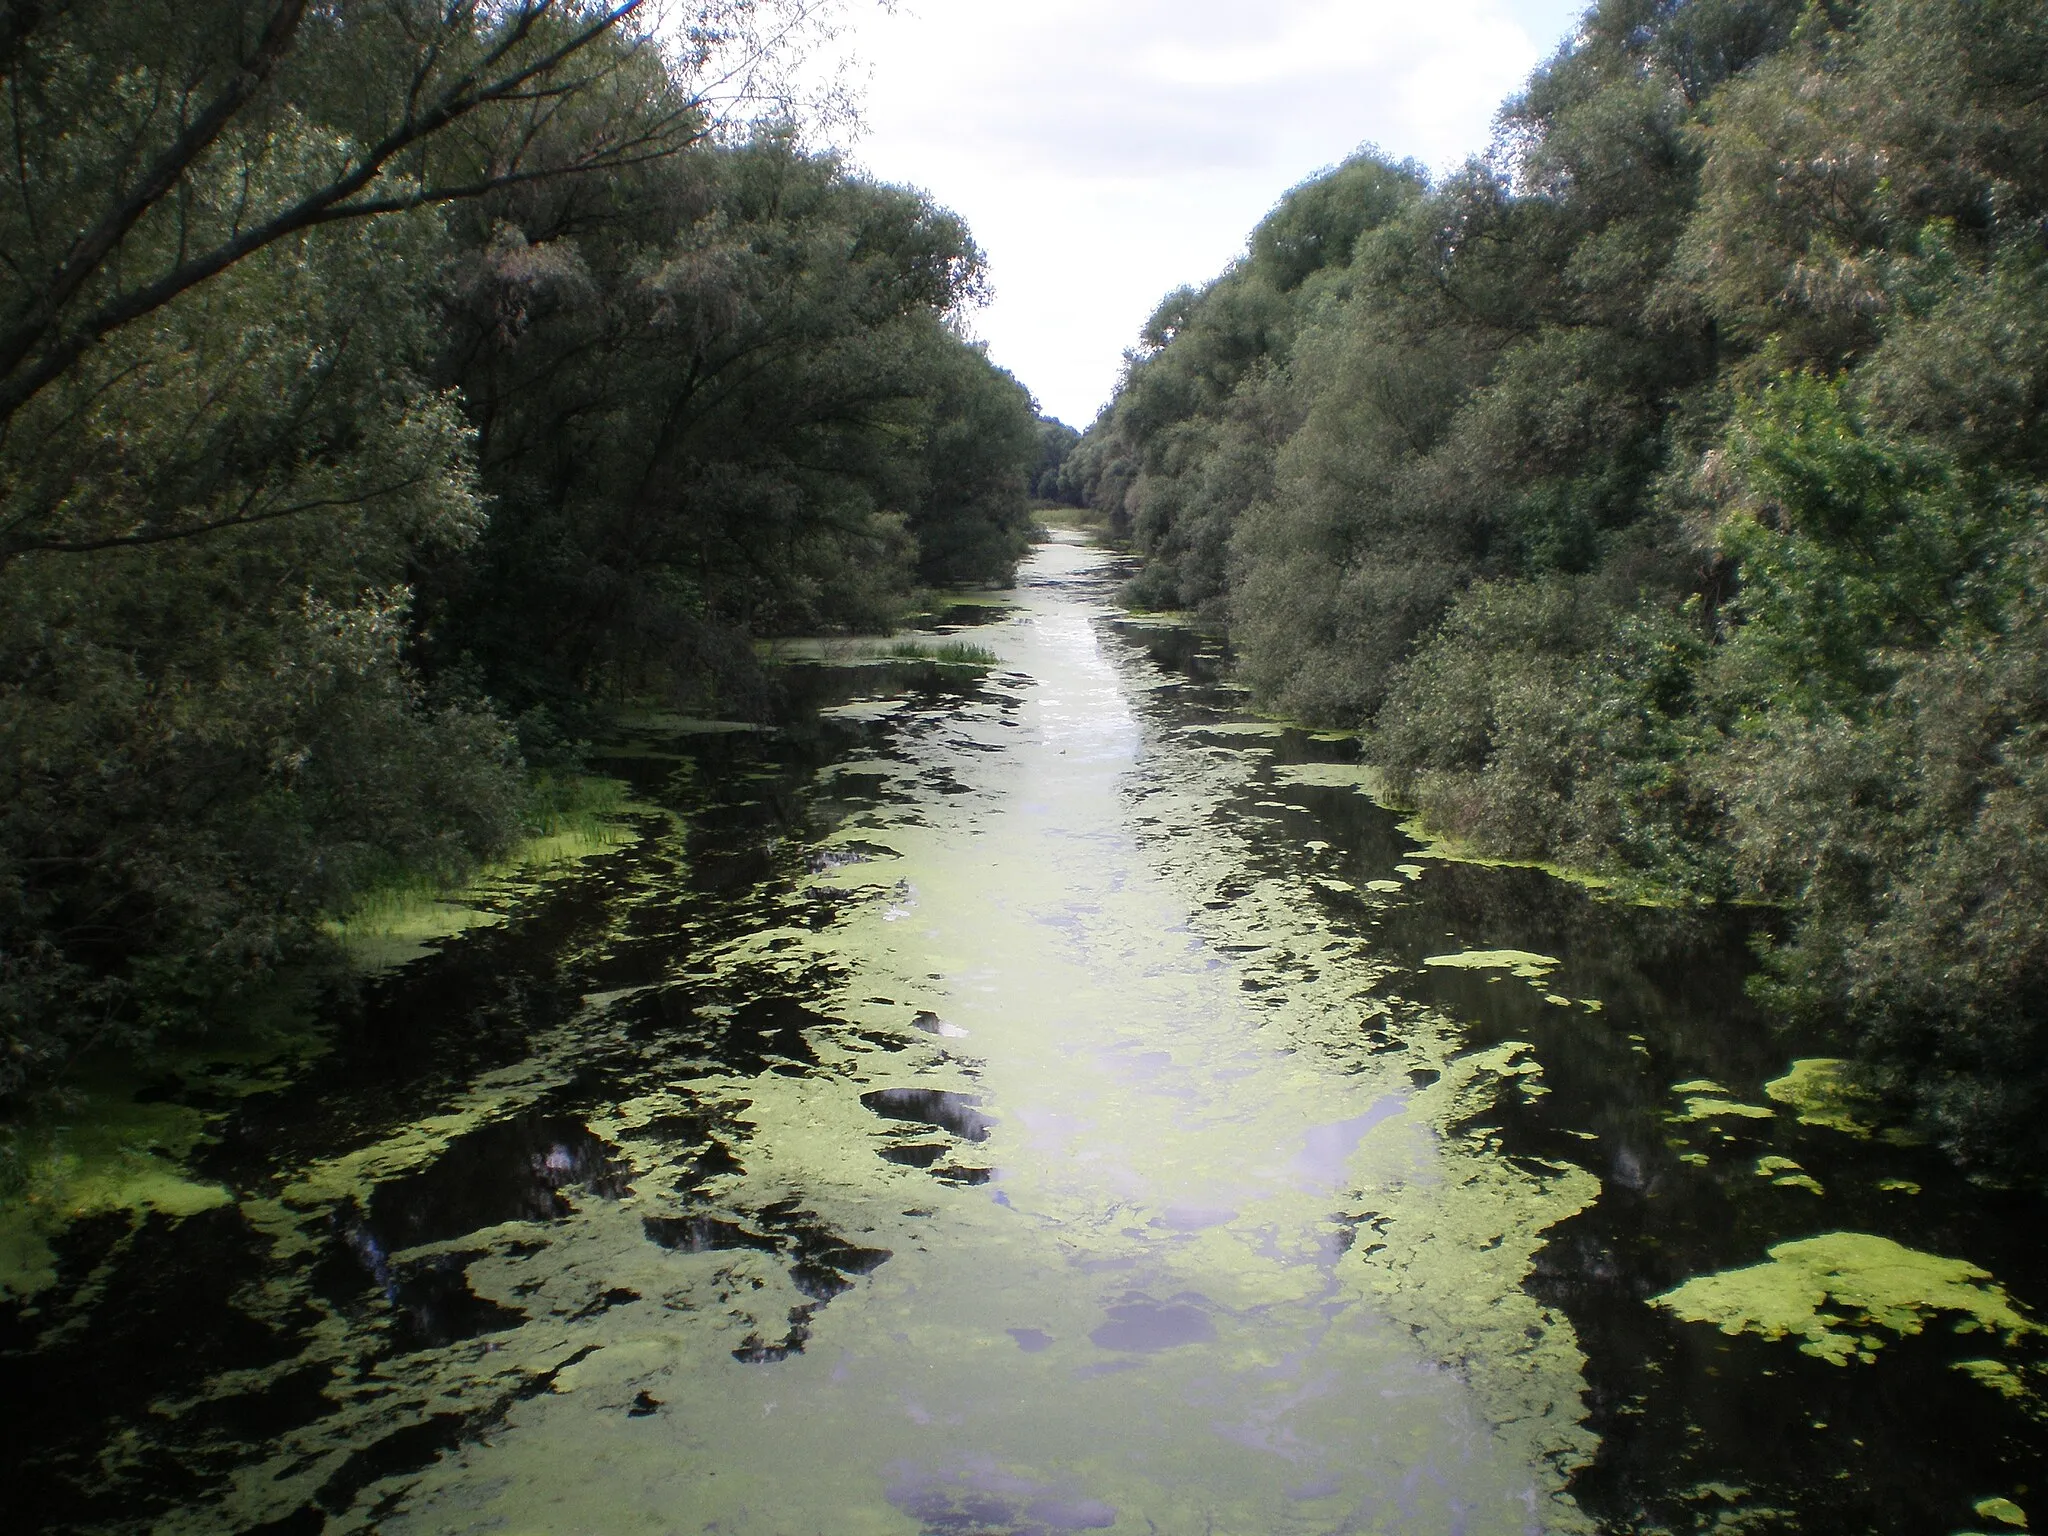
949,653
566,818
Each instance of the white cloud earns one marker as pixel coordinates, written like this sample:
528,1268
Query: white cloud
1107,152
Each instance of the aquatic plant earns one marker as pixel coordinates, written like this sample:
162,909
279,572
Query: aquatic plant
1839,1292
951,653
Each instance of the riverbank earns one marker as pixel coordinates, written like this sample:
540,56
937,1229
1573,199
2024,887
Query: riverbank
569,818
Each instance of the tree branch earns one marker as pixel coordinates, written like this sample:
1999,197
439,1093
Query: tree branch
14,548
90,251
26,373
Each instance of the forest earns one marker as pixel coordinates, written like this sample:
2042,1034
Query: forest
1662,495
387,390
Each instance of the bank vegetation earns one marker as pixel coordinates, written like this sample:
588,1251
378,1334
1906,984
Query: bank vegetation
1663,493
388,388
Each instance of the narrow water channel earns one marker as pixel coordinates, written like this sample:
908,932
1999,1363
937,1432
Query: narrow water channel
1041,1100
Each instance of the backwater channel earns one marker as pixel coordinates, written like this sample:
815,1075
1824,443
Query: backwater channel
1035,1099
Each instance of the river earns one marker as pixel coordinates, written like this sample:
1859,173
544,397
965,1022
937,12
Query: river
1038,1098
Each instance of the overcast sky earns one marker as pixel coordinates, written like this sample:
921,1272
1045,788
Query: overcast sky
1107,151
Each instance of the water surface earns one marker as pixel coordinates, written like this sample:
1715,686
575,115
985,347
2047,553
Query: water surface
1023,1102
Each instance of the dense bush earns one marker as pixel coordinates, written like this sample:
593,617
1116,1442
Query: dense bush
375,372
1664,493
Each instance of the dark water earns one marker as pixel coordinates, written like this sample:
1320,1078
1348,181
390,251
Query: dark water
1026,1103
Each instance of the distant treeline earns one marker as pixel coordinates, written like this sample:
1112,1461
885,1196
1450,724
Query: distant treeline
385,387
1664,493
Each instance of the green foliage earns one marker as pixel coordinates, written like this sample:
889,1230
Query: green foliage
1049,481
718,401
1317,226
1853,545
1913,845
972,519
1190,443
213,739
1544,719
1665,493
370,372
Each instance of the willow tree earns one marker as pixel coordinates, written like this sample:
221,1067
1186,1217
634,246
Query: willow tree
223,454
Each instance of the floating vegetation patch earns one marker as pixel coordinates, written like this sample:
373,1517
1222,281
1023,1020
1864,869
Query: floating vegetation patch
1785,1173
1999,1377
863,710
2005,1511
1708,1100
1838,1294
1435,843
120,1140
1516,962
866,768
1697,1109
106,1153
1257,730
1363,777
1522,964
656,722
1820,1092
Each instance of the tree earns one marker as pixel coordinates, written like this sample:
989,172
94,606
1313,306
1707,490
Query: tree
719,398
251,250
1664,492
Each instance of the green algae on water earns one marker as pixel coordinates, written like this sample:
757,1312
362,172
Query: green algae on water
1819,1091
108,1154
864,710
1719,1109
1784,1173
1998,1376
118,1143
1257,729
1517,962
1522,964
1363,777
1207,1122
1737,1513
1835,1292
1708,1100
